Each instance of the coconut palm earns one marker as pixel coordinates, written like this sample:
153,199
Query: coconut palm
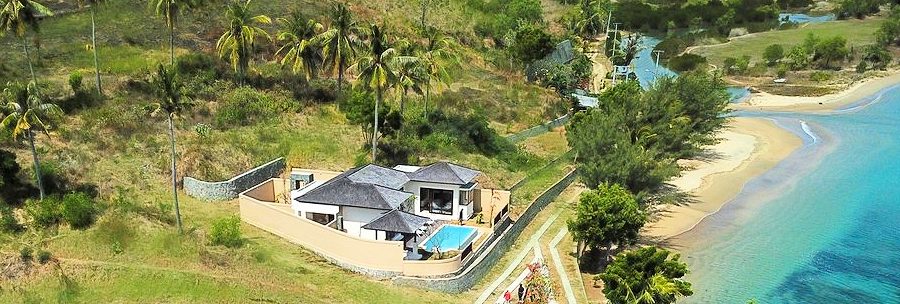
410,74
28,114
340,42
298,51
436,55
239,39
172,104
91,4
17,17
375,70
170,9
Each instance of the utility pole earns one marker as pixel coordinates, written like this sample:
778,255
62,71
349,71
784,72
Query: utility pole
615,37
608,20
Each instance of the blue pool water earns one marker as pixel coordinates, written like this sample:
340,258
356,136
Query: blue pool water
450,237
821,227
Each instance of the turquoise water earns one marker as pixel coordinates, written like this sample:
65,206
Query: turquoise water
804,18
450,237
821,227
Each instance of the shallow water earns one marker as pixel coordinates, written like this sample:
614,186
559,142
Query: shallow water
821,227
804,18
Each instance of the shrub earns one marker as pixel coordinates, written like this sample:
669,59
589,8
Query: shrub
26,254
531,42
44,213
43,256
819,76
79,210
75,82
8,221
199,63
226,232
861,67
773,54
687,62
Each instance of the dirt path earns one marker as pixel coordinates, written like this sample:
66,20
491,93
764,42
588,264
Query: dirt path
601,65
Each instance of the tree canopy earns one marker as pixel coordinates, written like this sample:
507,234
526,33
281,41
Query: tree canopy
607,216
644,276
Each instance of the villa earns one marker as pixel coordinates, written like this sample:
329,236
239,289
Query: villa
404,219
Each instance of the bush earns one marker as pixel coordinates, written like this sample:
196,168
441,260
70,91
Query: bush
26,254
43,256
44,213
226,232
773,54
79,210
687,62
75,82
8,221
819,76
531,42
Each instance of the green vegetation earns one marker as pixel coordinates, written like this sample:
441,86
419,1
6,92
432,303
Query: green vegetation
28,113
687,62
858,8
646,275
226,232
715,14
773,54
78,209
856,32
605,217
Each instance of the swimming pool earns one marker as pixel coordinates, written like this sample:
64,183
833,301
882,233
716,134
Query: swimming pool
450,237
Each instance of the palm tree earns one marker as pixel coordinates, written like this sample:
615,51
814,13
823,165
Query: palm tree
298,51
91,4
170,9
410,76
17,16
340,42
171,103
435,57
375,71
238,41
28,113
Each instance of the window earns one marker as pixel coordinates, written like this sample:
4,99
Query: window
320,218
465,197
436,201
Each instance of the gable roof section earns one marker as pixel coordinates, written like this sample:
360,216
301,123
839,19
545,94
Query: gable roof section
344,191
444,173
397,221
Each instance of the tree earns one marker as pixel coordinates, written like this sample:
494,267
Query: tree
773,54
530,42
92,4
239,39
592,16
436,55
798,58
375,71
889,30
298,51
18,16
340,42
171,104
644,276
877,56
170,9
829,50
28,113
857,8
606,217
424,5
410,77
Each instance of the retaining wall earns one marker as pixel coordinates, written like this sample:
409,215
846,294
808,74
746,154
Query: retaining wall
476,271
230,189
539,129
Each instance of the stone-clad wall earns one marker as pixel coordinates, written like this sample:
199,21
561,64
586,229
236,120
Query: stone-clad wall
476,271
539,129
227,190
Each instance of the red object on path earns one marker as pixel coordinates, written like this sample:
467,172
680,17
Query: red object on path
507,296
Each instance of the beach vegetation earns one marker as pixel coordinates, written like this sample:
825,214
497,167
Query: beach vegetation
606,218
644,276
687,62
877,57
889,31
858,9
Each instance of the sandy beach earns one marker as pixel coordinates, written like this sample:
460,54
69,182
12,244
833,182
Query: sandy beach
749,147
863,89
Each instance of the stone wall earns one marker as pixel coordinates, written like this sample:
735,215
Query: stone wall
227,190
538,130
475,271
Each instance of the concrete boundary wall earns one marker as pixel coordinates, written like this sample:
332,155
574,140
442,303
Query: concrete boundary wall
230,189
538,130
475,271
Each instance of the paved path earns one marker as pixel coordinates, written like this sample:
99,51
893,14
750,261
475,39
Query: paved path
517,261
563,275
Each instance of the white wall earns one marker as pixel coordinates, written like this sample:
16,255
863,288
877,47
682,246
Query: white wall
414,188
355,218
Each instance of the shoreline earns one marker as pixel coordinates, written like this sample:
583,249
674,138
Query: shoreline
749,148
763,101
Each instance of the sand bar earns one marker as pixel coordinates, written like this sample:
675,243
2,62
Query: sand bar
749,147
825,103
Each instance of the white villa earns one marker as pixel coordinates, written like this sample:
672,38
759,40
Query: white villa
378,203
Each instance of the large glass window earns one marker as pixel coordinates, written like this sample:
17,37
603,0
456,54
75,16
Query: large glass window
436,201
466,197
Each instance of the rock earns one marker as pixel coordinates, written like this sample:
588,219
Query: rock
738,31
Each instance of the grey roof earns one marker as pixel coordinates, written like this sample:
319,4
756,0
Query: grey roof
374,174
586,101
563,53
444,173
397,221
342,190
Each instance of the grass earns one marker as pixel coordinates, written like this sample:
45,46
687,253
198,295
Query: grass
857,33
550,144
538,181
